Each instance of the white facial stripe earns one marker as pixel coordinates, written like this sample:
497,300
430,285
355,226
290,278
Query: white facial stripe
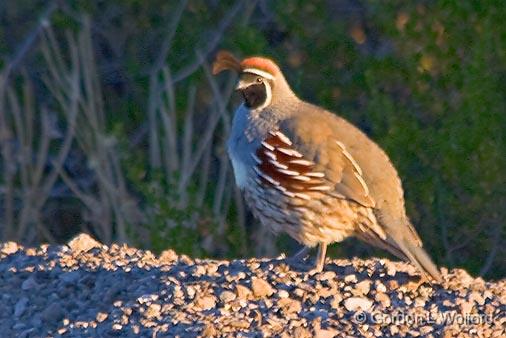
259,72
268,97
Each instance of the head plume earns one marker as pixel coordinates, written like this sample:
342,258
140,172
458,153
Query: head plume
227,61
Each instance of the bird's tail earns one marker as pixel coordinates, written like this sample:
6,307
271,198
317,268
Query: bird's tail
406,246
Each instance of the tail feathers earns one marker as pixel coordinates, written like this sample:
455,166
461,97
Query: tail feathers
406,249
417,256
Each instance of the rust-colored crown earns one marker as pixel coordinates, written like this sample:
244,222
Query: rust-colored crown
226,60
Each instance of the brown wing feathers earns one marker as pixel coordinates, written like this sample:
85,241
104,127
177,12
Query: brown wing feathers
284,168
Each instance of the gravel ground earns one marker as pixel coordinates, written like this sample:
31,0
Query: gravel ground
87,289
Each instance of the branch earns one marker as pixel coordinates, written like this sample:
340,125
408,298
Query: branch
164,51
29,42
214,41
491,256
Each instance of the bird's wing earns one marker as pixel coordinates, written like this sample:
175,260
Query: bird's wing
298,162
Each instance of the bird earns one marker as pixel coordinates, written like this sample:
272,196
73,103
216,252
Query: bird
310,173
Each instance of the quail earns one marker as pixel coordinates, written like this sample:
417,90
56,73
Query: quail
310,173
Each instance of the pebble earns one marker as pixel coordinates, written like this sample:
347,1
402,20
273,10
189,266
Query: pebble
153,311
357,303
20,307
89,289
350,279
283,294
363,287
29,284
101,316
382,298
227,296
261,288
206,302
243,292
380,287
52,313
83,243
289,305
9,248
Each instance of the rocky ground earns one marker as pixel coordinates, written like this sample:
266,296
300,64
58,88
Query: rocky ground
88,289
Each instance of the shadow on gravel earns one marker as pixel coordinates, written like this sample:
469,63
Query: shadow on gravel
89,289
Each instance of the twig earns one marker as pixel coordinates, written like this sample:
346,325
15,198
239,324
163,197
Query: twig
167,41
28,42
214,41
497,234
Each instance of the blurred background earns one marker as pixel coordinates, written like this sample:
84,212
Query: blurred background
111,124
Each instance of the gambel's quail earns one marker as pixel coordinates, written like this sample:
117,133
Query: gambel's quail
312,174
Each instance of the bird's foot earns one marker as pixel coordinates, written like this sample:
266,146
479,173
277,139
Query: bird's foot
297,260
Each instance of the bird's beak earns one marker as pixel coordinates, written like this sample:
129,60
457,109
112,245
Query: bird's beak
241,84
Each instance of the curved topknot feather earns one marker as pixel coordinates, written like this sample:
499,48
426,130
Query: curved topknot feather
226,61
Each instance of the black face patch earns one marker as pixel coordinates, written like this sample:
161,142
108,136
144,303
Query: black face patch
254,95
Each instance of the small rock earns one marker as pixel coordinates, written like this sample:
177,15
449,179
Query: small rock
242,291
391,269
392,284
227,296
148,298
153,311
29,284
393,329
206,302
101,316
240,324
363,287
19,326
83,243
117,327
350,279
53,313
425,330
288,305
380,287
167,256
9,248
209,331
199,271
301,332
466,307
26,333
336,301
327,276
329,333
382,298
356,303
283,294
476,297
261,288
20,307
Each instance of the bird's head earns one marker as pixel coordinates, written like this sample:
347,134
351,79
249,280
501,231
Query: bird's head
260,79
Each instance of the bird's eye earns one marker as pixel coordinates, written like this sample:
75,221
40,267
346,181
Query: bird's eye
260,80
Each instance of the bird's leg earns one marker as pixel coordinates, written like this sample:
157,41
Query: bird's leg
320,257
